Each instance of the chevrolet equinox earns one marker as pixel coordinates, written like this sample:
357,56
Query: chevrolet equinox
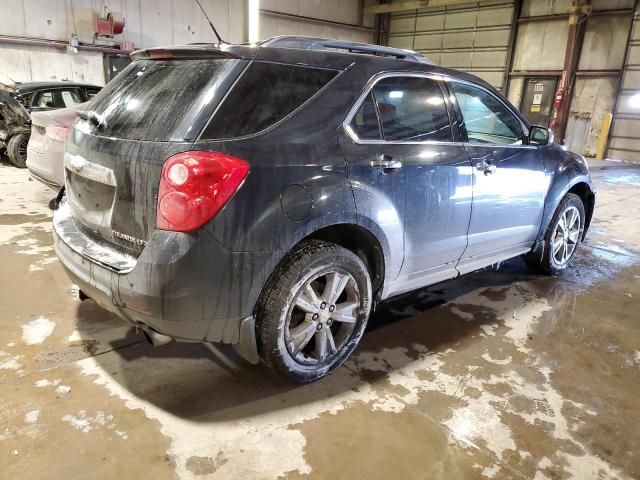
268,196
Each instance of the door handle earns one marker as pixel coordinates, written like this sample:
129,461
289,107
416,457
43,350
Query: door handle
487,167
386,163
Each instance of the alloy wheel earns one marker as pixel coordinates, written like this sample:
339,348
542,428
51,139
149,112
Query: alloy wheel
22,149
323,317
566,236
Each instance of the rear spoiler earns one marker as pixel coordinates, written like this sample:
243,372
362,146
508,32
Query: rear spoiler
187,52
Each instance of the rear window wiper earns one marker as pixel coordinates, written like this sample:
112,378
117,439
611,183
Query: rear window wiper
92,117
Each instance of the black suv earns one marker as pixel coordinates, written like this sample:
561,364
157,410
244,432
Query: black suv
17,102
268,196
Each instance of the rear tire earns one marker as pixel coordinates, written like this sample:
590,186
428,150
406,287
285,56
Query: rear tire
17,150
562,238
313,311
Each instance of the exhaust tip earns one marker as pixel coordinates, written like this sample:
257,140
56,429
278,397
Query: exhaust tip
154,338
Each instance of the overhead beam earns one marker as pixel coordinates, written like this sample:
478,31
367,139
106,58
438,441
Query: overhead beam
320,21
395,7
404,6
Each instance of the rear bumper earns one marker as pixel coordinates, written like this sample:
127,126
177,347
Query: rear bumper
185,286
45,179
47,167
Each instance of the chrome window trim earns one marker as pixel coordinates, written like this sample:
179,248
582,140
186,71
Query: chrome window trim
346,123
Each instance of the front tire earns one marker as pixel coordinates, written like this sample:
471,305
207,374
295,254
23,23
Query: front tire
17,150
313,311
562,238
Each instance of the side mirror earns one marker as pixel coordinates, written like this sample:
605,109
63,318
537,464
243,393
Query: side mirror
540,136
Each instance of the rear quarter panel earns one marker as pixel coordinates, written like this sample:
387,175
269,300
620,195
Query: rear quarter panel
297,184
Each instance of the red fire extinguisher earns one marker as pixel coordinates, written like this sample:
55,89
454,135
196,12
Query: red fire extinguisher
557,101
557,104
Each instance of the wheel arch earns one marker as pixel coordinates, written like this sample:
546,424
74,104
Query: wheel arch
360,241
584,191
578,185
372,249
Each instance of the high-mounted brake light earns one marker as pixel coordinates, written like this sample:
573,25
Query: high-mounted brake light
195,186
159,53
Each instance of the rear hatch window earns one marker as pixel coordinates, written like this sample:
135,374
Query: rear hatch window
150,98
265,94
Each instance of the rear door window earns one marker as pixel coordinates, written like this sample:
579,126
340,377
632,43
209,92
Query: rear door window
412,109
71,97
149,98
264,95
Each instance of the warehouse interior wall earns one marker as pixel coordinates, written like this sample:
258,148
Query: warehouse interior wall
152,23
508,43
148,23
35,63
541,41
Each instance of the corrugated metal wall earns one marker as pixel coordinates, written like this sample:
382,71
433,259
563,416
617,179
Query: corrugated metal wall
474,37
338,11
624,141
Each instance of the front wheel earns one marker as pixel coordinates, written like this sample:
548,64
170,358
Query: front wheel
314,311
562,238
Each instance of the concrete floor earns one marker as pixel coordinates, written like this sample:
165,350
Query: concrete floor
500,374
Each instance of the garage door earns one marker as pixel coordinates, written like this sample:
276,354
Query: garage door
624,142
473,38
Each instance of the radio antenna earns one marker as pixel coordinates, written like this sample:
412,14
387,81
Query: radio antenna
215,32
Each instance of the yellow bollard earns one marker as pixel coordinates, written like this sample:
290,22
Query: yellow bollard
604,135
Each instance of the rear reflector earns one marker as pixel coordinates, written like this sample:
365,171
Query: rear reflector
194,187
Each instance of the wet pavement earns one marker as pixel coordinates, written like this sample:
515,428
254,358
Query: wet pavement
499,374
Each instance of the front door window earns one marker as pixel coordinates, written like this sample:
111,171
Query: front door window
486,119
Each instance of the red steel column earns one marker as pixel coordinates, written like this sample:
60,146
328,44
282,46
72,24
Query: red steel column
578,14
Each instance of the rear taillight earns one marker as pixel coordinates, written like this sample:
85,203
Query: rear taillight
57,133
194,187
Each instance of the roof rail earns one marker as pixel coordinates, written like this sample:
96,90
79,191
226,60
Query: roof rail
316,43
